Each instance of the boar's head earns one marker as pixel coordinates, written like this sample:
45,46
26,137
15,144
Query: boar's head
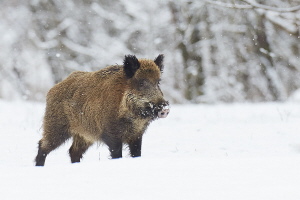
144,97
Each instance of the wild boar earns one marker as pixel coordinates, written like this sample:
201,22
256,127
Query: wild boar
114,105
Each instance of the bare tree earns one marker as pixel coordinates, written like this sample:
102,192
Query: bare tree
216,50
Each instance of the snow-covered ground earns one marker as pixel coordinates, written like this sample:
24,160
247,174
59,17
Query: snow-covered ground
226,152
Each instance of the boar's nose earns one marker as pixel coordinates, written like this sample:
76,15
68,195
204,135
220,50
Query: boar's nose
164,112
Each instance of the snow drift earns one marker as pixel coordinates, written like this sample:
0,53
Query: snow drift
239,151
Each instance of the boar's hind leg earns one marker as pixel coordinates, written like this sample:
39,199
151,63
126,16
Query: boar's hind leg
48,143
78,148
41,156
135,147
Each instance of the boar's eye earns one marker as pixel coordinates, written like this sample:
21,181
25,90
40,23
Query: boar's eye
142,83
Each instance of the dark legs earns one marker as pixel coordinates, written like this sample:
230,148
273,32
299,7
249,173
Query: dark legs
47,144
41,156
78,148
115,145
50,142
135,147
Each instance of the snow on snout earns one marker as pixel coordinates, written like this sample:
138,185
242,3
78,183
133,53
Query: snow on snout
164,112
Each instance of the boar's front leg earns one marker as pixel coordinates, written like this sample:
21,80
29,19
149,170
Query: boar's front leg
135,147
115,145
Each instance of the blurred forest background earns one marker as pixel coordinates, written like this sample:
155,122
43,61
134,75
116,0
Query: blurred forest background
216,51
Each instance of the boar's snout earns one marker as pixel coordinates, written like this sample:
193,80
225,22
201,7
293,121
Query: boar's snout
163,113
163,110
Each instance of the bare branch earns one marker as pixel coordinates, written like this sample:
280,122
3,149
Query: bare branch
229,5
254,4
78,48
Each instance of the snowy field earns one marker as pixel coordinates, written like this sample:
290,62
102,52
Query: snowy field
226,152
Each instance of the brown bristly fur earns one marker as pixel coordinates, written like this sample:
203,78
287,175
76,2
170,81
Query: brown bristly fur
108,105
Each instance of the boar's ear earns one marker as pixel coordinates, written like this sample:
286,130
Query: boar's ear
159,61
131,65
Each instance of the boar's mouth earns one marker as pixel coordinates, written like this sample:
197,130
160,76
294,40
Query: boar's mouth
155,111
